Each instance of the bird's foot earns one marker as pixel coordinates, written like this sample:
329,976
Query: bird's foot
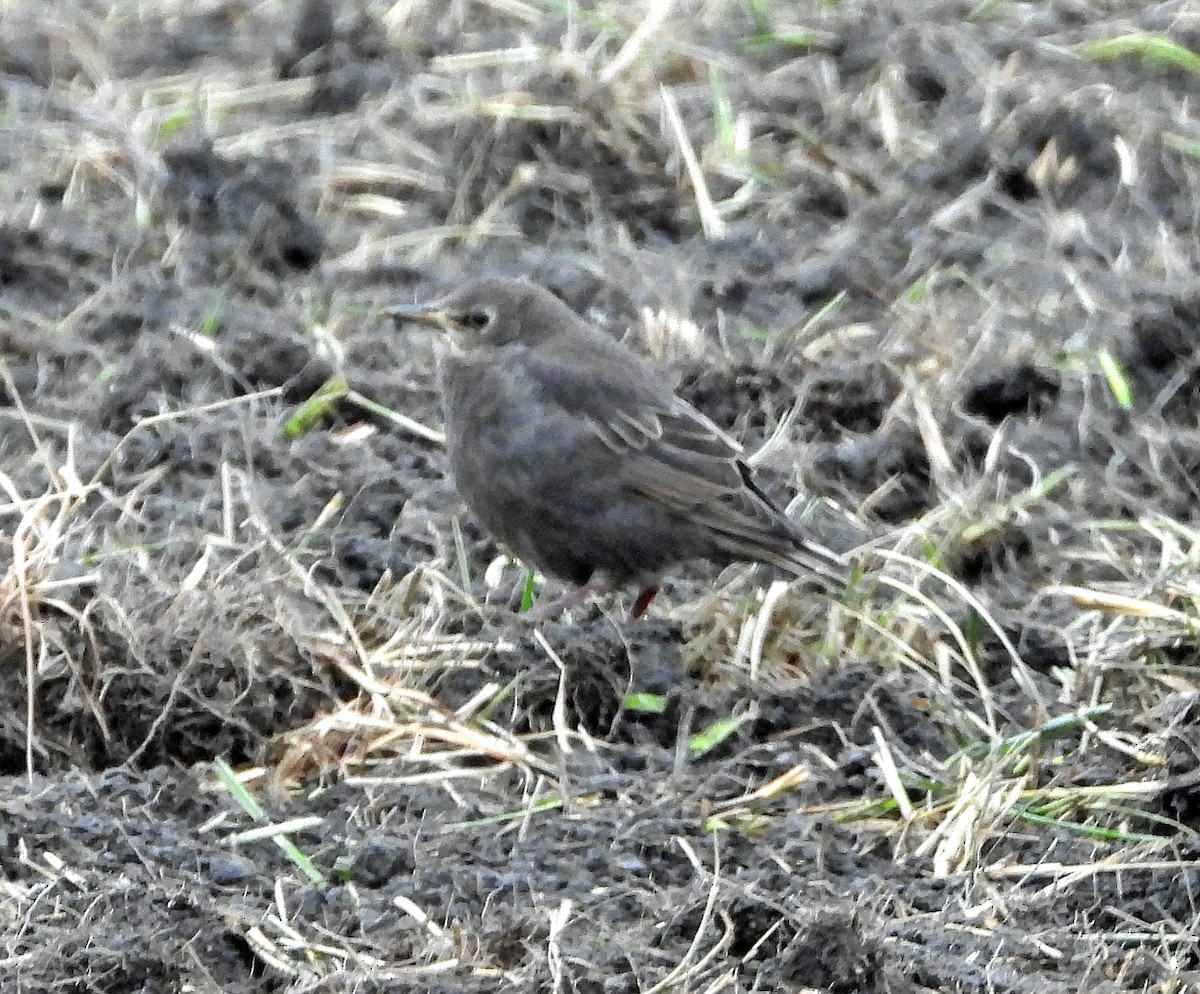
546,612
574,598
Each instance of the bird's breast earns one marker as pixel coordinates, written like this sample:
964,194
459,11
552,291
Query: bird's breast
499,432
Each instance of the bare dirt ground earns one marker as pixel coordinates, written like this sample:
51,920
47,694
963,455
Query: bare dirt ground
943,255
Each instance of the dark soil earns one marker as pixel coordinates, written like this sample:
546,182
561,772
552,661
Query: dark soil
206,207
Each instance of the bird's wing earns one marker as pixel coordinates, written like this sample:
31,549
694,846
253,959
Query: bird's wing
672,452
666,443
669,451
680,459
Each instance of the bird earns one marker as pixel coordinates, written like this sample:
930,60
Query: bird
577,455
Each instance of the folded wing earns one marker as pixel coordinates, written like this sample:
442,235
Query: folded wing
674,455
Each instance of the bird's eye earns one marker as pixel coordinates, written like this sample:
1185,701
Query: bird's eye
476,320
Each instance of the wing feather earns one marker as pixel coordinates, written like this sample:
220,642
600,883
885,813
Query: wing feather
674,455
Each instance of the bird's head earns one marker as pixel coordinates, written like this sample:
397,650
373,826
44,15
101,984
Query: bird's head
489,313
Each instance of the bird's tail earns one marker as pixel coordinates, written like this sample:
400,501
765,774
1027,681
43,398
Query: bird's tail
754,528
824,565
777,542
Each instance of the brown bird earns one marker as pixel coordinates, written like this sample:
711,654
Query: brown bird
574,452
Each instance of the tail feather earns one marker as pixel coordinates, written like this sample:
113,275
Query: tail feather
805,561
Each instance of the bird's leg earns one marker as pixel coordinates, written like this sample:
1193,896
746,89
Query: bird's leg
577,596
643,601
544,612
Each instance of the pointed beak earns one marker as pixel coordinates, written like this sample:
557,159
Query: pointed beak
427,314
